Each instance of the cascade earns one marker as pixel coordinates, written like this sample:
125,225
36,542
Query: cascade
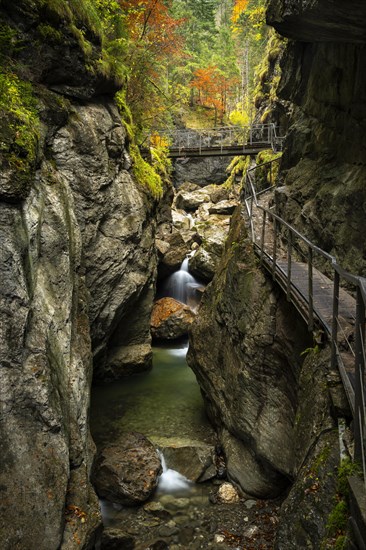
170,480
182,286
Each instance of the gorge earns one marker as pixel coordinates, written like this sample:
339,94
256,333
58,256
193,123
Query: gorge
86,233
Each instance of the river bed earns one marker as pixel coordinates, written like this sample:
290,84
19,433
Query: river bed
162,404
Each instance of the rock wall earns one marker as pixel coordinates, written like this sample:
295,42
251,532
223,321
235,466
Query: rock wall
200,171
245,351
323,167
77,268
274,407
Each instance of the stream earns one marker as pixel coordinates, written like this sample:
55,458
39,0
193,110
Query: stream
166,406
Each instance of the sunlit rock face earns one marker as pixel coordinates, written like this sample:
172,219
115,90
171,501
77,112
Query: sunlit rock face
323,167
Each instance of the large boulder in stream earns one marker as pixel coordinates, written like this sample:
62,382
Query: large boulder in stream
127,472
205,261
170,319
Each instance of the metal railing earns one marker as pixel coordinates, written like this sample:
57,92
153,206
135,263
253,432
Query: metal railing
311,279
184,140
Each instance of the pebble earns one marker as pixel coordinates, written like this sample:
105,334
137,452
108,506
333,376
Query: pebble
169,529
227,494
249,504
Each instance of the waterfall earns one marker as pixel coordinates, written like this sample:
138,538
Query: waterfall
182,286
170,480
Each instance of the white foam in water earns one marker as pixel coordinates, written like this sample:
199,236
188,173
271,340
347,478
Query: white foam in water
170,480
179,352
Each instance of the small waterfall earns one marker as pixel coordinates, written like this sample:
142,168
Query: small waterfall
182,286
170,480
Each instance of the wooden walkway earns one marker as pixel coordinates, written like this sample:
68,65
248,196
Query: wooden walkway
310,290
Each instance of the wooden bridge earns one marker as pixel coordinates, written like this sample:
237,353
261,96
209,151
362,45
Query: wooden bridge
311,279
222,141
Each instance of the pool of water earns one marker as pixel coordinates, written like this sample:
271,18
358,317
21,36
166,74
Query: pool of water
163,403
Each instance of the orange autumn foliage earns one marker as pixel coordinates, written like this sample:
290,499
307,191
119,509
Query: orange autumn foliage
149,21
213,87
239,7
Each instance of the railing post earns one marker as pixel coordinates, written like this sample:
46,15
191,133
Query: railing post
274,249
335,320
263,235
359,419
200,143
289,264
310,288
270,174
250,135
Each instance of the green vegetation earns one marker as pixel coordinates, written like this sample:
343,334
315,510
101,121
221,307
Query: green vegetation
145,173
338,517
268,76
237,171
20,129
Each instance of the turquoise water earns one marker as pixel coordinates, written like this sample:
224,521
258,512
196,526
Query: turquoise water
163,403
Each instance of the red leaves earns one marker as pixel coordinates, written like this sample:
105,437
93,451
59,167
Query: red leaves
150,21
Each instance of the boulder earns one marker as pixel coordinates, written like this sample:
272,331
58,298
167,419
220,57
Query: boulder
195,460
245,347
170,319
126,360
204,263
225,207
172,249
190,201
127,471
115,539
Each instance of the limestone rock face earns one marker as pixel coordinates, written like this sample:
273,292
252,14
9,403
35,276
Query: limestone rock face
205,261
304,513
319,20
245,354
200,170
323,166
170,319
77,268
127,472
113,216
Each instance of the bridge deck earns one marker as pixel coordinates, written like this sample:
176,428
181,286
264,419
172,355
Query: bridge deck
217,151
322,293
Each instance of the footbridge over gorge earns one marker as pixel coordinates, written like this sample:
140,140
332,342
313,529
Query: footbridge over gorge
327,297
222,141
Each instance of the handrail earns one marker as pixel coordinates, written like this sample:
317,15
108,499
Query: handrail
187,139
304,299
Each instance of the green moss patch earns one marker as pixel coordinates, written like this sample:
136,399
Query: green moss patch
19,132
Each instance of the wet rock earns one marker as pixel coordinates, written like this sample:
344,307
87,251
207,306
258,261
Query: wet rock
157,509
170,319
227,494
172,249
158,545
127,472
169,530
249,504
124,361
115,539
194,460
